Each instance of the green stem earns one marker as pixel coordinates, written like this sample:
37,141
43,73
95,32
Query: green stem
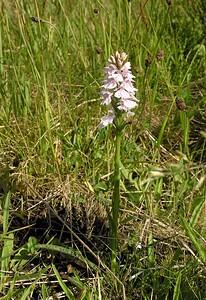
185,126
115,201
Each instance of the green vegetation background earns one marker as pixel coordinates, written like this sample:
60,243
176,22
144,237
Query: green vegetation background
56,167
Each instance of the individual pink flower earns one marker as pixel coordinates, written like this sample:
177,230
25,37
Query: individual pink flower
128,86
108,119
118,92
122,94
107,97
126,105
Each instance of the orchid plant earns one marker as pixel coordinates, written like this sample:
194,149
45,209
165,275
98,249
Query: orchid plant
118,94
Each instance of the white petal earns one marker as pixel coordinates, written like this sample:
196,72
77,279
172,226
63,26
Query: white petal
127,105
106,120
121,93
107,96
128,86
109,83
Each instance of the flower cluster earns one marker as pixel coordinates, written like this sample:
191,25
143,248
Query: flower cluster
118,92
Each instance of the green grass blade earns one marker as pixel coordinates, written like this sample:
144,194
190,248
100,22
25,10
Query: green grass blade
27,292
197,210
191,234
6,212
67,291
177,289
151,256
6,256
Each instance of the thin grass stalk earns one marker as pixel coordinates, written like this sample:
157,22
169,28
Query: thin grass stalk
1,55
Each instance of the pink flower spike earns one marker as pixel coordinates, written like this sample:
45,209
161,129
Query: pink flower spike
118,91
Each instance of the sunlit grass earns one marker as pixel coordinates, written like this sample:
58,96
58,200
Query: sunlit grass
57,167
